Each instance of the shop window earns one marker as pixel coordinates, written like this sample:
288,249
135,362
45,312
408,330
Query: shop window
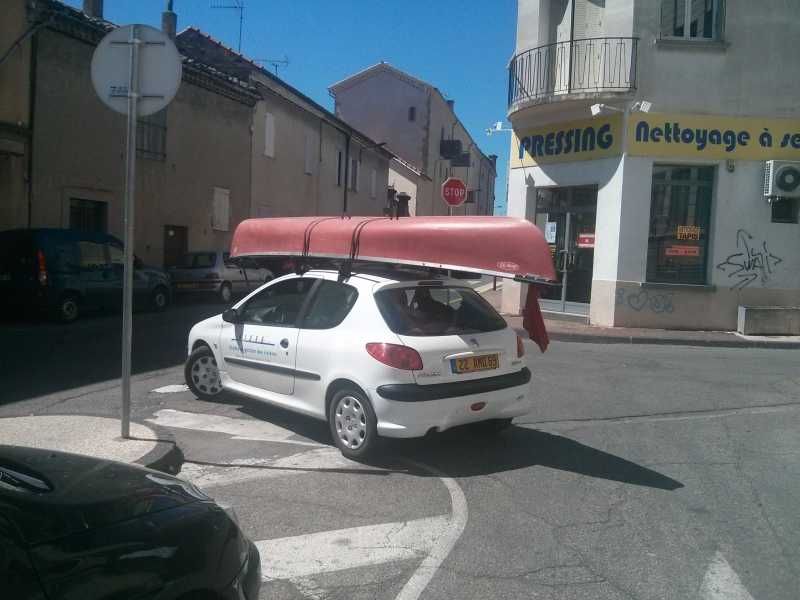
680,215
784,210
692,19
151,136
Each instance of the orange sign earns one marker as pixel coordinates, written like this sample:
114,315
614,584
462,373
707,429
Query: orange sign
682,251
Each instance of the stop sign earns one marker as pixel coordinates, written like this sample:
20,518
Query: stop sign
454,192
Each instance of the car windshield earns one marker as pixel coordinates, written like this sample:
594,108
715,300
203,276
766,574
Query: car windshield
445,310
198,260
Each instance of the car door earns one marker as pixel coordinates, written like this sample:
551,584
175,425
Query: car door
96,275
259,350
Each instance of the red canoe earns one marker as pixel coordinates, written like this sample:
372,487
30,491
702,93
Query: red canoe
501,246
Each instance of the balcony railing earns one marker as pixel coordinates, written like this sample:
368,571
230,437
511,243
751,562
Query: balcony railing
605,64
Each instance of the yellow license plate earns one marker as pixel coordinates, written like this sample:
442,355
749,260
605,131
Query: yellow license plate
470,364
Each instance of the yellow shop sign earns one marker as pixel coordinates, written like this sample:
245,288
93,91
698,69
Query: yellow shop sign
713,137
588,139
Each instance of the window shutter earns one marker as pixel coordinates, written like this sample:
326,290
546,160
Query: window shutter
269,135
309,155
220,209
373,183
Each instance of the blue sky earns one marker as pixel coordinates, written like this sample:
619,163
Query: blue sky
461,47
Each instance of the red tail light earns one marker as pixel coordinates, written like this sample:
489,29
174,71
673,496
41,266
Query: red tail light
520,347
397,356
42,264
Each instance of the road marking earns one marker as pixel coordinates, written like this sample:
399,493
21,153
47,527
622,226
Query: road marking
326,551
238,429
722,583
172,389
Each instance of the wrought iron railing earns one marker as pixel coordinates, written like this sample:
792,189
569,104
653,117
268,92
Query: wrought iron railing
606,64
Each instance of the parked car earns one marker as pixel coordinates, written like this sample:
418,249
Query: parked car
381,354
212,272
66,271
79,527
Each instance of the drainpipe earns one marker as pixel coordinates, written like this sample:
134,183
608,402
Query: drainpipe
31,120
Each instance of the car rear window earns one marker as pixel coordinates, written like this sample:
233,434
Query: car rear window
426,310
198,260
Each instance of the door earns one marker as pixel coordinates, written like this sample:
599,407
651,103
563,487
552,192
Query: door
568,217
176,244
259,350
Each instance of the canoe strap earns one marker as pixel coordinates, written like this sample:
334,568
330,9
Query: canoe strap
346,269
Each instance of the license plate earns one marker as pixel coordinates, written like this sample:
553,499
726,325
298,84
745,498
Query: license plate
470,364
186,286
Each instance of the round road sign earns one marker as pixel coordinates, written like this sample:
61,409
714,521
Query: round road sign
454,192
159,69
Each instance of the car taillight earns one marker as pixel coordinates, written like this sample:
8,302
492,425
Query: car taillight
42,264
395,355
520,347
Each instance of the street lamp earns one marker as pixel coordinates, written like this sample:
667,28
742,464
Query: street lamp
638,106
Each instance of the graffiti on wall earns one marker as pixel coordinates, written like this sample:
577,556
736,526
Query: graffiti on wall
752,261
643,299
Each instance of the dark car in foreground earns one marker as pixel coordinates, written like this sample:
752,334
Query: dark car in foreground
78,527
63,272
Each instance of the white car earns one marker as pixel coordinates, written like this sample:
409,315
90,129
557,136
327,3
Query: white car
383,354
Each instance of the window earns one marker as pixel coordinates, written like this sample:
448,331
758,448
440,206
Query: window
151,136
373,183
331,305
692,19
339,164
310,152
680,214
93,255
198,260
87,215
269,135
412,113
220,209
278,305
437,311
784,210
354,174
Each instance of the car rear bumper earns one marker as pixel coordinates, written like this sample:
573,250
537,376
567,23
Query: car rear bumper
416,409
247,583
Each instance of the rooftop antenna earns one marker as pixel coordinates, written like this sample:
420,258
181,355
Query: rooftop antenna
274,62
234,5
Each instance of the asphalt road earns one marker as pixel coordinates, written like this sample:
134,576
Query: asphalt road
645,472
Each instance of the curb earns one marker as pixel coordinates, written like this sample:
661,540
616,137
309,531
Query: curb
167,456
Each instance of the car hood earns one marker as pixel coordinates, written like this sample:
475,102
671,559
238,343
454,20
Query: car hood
49,495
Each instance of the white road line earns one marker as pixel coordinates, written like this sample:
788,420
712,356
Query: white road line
444,545
172,389
304,555
722,583
238,429
249,469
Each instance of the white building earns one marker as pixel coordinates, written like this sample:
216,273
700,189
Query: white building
659,218
413,117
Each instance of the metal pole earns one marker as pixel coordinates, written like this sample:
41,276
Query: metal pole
130,191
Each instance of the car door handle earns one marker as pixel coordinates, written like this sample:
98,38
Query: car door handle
284,343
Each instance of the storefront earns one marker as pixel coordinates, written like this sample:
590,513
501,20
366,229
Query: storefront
660,220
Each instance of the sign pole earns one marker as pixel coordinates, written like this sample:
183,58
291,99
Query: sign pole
130,191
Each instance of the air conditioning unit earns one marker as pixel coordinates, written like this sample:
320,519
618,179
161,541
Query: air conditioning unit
782,179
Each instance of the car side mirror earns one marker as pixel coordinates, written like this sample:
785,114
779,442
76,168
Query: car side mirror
229,315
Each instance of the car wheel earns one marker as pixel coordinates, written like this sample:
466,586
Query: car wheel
68,308
159,300
491,426
201,374
353,424
225,293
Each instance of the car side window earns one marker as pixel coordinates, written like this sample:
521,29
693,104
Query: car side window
93,255
278,305
331,304
116,255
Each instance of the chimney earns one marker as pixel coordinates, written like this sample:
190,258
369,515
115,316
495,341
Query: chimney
169,21
451,104
93,8
493,160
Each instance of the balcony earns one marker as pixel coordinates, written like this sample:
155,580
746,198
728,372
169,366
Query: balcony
571,70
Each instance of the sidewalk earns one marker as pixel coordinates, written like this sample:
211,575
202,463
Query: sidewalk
568,331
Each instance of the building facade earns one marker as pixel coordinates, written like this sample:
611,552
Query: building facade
228,146
413,118
642,131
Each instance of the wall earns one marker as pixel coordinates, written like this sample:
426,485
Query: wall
403,181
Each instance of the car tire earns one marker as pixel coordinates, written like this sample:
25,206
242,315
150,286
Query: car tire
159,299
491,426
68,308
201,374
225,293
353,425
